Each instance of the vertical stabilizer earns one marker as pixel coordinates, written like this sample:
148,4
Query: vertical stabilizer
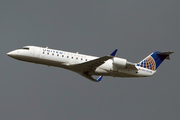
153,61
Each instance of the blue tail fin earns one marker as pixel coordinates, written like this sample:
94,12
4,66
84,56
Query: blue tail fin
153,61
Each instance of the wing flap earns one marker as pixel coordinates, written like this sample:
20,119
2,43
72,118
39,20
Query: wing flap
89,77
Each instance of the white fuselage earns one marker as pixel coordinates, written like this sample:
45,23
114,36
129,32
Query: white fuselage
63,59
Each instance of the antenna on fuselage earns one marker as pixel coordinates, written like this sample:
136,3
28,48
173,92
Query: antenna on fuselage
47,47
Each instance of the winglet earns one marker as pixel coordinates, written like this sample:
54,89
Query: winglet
114,53
99,79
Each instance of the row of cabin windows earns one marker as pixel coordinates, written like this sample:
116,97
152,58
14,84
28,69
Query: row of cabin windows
63,56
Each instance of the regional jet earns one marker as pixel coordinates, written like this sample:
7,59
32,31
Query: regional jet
90,66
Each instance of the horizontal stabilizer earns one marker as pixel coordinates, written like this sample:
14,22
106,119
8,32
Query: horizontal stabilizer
165,54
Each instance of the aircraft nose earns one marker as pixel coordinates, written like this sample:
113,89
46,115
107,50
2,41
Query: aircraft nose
11,54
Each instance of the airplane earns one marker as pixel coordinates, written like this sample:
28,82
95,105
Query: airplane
90,66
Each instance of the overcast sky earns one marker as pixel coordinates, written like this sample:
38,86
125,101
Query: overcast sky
135,27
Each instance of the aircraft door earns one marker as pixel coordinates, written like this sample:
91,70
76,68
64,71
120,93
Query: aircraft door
31,51
36,52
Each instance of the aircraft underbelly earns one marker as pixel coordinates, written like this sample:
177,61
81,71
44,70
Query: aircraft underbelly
115,73
43,61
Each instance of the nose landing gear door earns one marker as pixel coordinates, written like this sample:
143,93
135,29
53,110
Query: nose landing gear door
36,52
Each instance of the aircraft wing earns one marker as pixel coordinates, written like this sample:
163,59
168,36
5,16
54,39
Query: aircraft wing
90,66
87,67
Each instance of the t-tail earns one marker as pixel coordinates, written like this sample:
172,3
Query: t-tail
153,61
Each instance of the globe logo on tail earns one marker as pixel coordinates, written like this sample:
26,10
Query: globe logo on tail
148,63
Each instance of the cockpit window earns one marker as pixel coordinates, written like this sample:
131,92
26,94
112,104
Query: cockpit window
25,48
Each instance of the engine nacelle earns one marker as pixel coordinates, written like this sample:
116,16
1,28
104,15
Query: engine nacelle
119,62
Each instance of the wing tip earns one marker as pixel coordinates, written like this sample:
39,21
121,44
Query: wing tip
100,78
114,52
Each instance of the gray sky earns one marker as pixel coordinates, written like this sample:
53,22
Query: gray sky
135,27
